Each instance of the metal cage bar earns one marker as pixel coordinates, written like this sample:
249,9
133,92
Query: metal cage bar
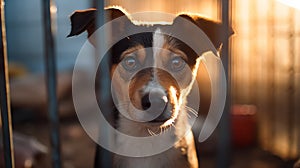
224,152
5,97
50,54
103,157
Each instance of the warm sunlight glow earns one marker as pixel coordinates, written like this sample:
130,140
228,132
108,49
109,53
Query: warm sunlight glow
271,29
184,93
177,105
137,22
144,19
291,3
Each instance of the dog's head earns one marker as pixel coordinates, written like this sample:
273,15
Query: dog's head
150,69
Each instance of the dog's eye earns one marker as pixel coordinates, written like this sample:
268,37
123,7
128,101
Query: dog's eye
177,64
130,63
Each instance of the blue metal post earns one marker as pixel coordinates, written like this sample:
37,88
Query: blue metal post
50,54
5,97
103,157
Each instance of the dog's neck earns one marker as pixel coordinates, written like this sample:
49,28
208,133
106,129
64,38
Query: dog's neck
182,154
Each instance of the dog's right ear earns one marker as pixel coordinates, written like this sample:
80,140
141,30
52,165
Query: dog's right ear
85,20
216,31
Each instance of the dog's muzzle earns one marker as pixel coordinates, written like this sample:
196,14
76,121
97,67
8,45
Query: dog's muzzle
156,102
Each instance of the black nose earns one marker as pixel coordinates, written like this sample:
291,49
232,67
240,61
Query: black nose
156,103
146,102
156,100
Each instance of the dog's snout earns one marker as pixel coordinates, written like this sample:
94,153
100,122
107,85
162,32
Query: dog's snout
157,100
156,103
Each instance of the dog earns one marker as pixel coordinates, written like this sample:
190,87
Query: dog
150,72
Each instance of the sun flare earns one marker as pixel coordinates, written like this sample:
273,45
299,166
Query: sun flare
291,3
178,102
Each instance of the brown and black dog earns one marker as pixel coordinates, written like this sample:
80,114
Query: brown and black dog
150,72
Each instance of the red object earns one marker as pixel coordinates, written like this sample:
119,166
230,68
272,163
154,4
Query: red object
243,125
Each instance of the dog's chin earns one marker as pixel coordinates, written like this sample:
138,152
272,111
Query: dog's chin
152,124
143,123
161,118
159,124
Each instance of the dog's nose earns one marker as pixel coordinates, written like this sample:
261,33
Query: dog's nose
146,102
155,100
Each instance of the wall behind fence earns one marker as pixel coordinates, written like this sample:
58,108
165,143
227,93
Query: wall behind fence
207,8
266,70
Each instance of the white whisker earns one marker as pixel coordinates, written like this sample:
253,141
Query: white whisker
151,133
191,110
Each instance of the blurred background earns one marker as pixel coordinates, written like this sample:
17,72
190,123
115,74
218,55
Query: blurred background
264,76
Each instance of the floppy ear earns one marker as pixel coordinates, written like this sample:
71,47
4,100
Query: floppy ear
85,20
214,30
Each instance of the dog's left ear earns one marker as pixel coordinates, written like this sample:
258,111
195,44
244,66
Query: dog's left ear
216,31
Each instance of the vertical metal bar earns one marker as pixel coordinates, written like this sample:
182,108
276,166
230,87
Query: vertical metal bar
103,157
224,147
51,84
5,97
